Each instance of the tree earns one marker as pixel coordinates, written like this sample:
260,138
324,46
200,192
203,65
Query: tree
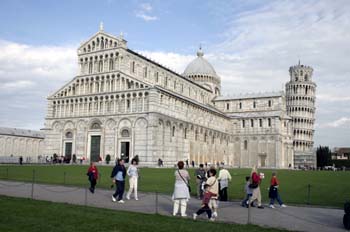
324,157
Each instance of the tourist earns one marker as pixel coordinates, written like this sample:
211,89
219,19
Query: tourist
224,178
273,192
133,174
21,160
93,176
214,189
205,204
248,192
255,185
187,164
181,191
118,175
200,179
192,163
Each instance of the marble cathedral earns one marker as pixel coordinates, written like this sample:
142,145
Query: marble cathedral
123,104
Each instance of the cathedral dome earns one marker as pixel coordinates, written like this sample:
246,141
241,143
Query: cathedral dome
200,66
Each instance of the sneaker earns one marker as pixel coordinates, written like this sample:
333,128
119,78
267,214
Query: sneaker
215,214
128,197
185,215
121,201
272,206
212,219
113,199
195,216
260,207
252,204
283,206
136,199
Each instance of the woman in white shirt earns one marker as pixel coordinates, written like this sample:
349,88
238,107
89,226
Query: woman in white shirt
181,192
133,174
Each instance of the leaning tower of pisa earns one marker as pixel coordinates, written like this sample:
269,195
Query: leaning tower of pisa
300,95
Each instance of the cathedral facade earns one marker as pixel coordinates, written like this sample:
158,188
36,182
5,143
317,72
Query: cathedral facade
122,104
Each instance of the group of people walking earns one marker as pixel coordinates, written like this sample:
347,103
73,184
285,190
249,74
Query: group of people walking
118,176
210,188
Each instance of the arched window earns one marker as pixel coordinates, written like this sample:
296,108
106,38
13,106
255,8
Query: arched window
227,106
269,122
252,122
69,135
270,103
185,133
90,67
245,145
100,66
125,133
260,122
254,104
306,78
173,132
243,123
111,64
240,105
95,126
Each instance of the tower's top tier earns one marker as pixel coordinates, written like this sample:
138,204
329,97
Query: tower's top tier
301,73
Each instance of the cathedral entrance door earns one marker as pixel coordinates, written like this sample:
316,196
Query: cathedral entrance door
262,160
124,151
68,150
95,148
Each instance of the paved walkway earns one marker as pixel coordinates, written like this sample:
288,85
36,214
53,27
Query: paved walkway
290,218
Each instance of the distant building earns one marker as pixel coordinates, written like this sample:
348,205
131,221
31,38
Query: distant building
341,153
124,104
16,142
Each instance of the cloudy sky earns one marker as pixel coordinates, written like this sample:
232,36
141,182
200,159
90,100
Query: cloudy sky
250,43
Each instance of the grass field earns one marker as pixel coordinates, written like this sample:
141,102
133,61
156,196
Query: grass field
30,215
327,188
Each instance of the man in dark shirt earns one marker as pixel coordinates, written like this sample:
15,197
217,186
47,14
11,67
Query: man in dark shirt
200,178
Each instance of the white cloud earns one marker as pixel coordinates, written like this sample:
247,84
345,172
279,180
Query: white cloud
339,123
144,12
16,85
146,17
27,75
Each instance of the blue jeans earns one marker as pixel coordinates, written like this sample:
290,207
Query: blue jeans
278,198
120,186
244,202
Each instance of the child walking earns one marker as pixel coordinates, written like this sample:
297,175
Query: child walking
205,204
273,192
92,173
248,191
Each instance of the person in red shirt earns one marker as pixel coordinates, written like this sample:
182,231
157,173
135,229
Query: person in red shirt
92,173
255,185
205,203
273,192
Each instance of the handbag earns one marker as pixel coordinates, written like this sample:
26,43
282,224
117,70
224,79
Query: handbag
188,186
253,185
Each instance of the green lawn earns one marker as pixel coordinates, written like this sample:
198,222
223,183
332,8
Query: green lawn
327,188
31,215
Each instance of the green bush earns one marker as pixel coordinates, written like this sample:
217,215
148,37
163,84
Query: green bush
341,163
108,158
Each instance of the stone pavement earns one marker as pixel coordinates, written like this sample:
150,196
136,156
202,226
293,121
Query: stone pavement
290,218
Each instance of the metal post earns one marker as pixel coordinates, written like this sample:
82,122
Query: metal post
249,213
64,178
156,202
33,184
85,197
308,193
